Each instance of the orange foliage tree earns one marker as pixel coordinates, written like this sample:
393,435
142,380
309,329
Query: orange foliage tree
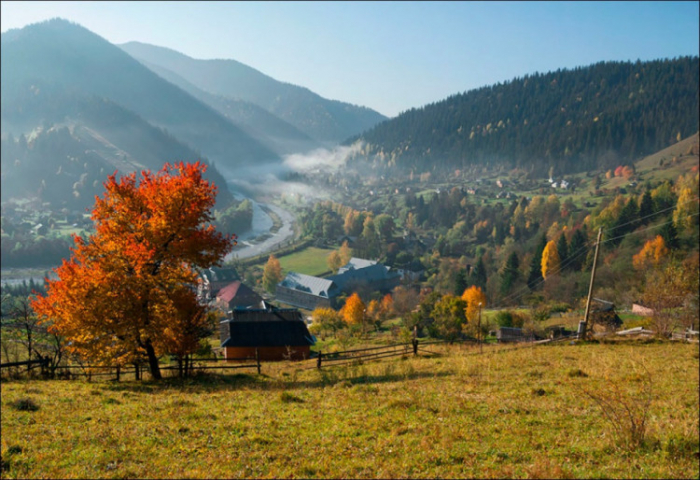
476,300
651,253
127,292
272,274
353,312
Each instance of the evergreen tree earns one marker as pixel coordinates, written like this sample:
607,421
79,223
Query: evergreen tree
510,273
563,249
534,278
646,207
670,235
461,282
575,250
478,275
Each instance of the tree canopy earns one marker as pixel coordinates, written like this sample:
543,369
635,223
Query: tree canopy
127,292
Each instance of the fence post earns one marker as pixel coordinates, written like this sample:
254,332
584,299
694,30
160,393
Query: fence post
318,360
118,373
257,359
415,347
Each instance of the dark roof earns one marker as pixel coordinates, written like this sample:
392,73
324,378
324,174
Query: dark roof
273,333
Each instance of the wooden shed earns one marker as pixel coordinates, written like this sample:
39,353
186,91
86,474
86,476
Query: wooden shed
277,334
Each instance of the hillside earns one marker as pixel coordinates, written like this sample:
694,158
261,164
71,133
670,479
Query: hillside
325,120
271,131
57,59
576,120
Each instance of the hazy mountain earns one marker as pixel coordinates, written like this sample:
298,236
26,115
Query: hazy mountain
66,163
260,124
598,116
59,59
322,119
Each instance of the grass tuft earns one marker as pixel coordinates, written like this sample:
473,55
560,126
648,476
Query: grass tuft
577,372
25,405
287,397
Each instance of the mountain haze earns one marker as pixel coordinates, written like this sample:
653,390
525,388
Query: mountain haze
260,124
62,59
573,120
325,120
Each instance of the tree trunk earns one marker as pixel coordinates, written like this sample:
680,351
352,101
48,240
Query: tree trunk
152,360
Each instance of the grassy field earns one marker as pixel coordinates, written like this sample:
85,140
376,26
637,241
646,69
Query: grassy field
310,261
528,413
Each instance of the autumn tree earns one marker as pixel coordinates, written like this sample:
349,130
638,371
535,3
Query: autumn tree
272,274
651,253
550,260
345,253
475,300
127,292
326,320
334,262
386,308
353,312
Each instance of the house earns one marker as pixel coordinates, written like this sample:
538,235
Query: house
275,333
236,295
305,291
213,279
361,272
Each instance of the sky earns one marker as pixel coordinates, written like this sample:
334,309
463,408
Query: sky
389,56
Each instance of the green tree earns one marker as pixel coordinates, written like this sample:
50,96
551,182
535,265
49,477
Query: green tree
535,275
510,273
449,317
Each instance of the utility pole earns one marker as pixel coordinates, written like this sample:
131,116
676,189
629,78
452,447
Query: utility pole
590,288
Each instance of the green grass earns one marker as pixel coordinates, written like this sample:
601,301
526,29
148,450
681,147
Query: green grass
520,413
310,261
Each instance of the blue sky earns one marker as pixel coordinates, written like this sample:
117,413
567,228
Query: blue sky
390,56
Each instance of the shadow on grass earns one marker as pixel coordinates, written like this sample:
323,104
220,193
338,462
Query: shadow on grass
212,382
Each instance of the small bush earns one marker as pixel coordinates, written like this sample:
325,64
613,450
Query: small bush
287,397
25,405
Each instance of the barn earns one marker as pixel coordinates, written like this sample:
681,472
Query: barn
276,333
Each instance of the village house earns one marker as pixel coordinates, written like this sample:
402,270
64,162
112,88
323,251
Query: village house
270,333
305,291
236,295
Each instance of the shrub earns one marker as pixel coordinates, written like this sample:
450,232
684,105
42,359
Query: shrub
25,405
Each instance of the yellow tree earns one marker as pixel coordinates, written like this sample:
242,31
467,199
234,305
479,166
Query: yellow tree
334,261
651,253
353,312
550,260
127,291
345,253
272,274
326,319
685,215
476,300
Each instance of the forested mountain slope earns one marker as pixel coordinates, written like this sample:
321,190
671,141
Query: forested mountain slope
573,120
322,119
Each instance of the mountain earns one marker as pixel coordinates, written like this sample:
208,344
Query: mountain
60,60
64,163
325,120
257,122
598,116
